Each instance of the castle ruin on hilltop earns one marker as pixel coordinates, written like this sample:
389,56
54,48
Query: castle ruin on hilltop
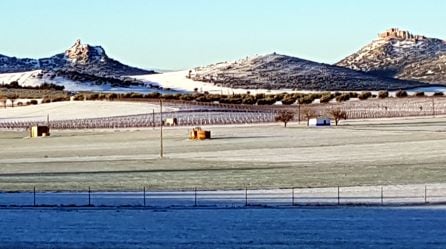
395,33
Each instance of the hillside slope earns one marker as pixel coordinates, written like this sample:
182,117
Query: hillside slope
275,71
400,54
82,58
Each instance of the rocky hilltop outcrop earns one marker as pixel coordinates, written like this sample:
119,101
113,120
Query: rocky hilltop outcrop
275,71
402,55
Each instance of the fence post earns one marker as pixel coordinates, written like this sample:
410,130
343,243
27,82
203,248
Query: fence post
195,199
246,196
339,196
34,196
425,194
89,196
144,196
382,195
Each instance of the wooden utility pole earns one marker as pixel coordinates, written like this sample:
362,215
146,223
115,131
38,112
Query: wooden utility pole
161,130
433,106
298,113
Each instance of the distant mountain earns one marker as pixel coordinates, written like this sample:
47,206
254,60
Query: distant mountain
400,54
276,71
80,63
81,58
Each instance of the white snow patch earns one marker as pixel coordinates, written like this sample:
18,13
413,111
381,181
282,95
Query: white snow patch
77,110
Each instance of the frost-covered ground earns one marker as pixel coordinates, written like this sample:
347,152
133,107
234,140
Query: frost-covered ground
224,228
178,81
77,110
32,78
357,153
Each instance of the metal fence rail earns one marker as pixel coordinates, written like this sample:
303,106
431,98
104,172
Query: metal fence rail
370,195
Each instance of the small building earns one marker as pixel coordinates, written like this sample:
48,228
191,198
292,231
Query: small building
199,134
319,121
39,131
171,122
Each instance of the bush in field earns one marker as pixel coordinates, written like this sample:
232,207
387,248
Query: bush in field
419,94
187,97
437,94
79,97
33,102
249,100
316,95
284,116
383,94
266,101
111,96
154,95
307,99
234,100
353,95
278,97
326,98
218,97
170,96
59,99
93,96
401,94
289,100
365,95
343,97
46,100
260,96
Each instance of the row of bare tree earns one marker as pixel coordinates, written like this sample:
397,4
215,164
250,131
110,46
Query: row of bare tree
285,116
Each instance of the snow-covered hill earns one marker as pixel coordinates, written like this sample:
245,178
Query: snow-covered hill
400,54
275,71
80,57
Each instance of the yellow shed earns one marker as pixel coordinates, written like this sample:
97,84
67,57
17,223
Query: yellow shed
199,134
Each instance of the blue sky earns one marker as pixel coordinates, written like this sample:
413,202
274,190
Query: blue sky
180,34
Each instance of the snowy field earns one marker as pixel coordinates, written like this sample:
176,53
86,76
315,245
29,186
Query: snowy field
77,110
352,228
377,152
